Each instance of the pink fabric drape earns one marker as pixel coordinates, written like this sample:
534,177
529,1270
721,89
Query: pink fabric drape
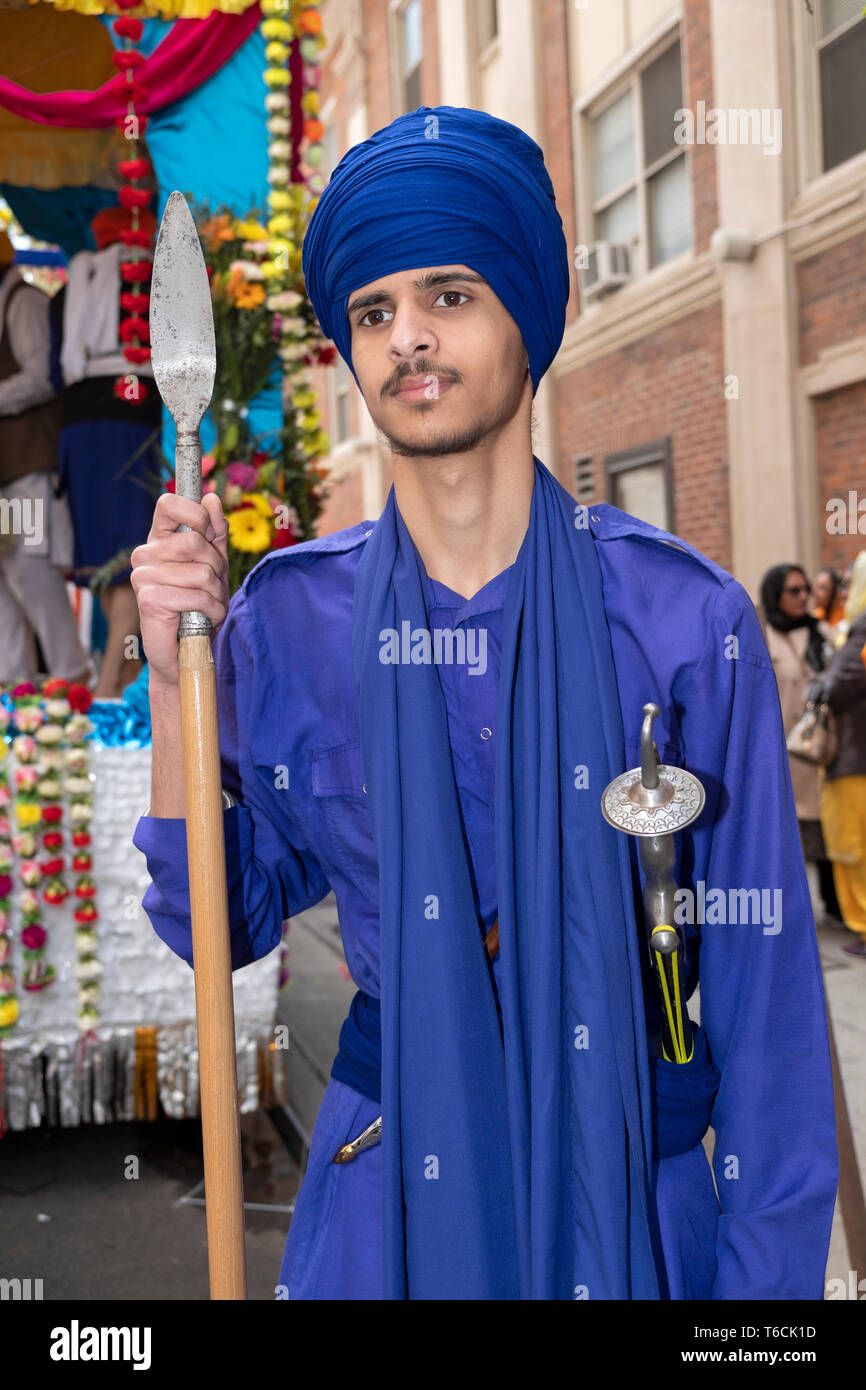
191,52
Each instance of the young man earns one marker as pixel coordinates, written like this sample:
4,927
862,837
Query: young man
534,1146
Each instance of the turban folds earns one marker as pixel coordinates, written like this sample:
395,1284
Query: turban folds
445,185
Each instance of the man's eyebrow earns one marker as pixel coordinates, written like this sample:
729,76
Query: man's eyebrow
425,282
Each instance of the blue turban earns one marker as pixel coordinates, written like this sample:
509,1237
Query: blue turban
443,186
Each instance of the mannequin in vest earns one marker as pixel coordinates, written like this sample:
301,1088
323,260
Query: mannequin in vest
35,526
108,444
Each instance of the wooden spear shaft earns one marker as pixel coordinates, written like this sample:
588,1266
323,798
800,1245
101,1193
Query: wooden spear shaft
183,355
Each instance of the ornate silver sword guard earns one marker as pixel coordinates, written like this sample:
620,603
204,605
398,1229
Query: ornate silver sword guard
652,802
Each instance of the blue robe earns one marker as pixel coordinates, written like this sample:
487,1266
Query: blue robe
683,634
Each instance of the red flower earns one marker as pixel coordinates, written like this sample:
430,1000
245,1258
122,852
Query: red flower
133,392
129,237
134,303
134,168
283,536
137,354
52,866
5,885
85,890
55,688
169,487
130,197
80,700
137,271
326,356
86,913
123,59
33,937
128,4
19,691
128,28
134,328
81,837
82,863
121,121
55,895
52,839
52,814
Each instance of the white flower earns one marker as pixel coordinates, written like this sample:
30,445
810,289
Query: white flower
49,733
79,786
293,324
290,352
57,709
279,150
90,969
277,101
76,759
278,125
80,812
87,1017
89,993
50,759
278,173
85,939
49,788
249,269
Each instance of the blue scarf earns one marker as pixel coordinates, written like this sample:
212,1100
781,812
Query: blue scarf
516,1159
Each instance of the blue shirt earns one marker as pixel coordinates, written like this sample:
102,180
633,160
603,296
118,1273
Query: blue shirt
685,635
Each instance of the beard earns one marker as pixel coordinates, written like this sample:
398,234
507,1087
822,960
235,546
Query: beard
444,442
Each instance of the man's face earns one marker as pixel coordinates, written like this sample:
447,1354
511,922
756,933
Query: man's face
439,359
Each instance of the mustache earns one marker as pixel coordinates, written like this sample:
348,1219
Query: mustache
421,369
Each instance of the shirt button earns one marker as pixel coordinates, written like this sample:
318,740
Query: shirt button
486,733
364,788
368,533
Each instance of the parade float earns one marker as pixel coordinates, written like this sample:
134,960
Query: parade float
120,104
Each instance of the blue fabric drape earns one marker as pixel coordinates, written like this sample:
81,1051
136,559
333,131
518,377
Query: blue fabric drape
61,216
566,1081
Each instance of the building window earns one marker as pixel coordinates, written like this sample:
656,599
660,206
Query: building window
841,47
640,189
640,481
410,55
486,24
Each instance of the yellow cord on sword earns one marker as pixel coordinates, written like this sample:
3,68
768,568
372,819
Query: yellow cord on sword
674,1012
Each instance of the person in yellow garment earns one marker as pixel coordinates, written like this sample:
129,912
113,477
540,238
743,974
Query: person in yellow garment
843,793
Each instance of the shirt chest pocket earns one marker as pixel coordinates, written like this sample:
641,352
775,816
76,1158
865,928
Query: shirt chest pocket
340,798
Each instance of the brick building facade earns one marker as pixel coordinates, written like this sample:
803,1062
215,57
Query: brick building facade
721,389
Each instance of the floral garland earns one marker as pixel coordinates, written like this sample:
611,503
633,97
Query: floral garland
134,329
41,723
290,206
8,999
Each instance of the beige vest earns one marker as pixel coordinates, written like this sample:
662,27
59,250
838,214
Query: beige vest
29,441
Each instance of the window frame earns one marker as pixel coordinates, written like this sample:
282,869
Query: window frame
587,111
654,451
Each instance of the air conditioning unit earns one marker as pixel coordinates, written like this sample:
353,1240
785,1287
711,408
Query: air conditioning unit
608,266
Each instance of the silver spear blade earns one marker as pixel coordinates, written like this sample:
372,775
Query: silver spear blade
183,348
183,353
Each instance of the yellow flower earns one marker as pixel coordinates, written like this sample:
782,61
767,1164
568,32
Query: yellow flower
279,200
261,504
251,231
4,748
27,813
277,29
280,225
276,52
8,1012
250,296
248,530
277,77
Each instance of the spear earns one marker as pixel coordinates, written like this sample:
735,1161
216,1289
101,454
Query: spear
183,355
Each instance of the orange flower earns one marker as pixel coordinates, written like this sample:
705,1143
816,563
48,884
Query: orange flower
314,130
217,229
310,22
251,296
235,283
